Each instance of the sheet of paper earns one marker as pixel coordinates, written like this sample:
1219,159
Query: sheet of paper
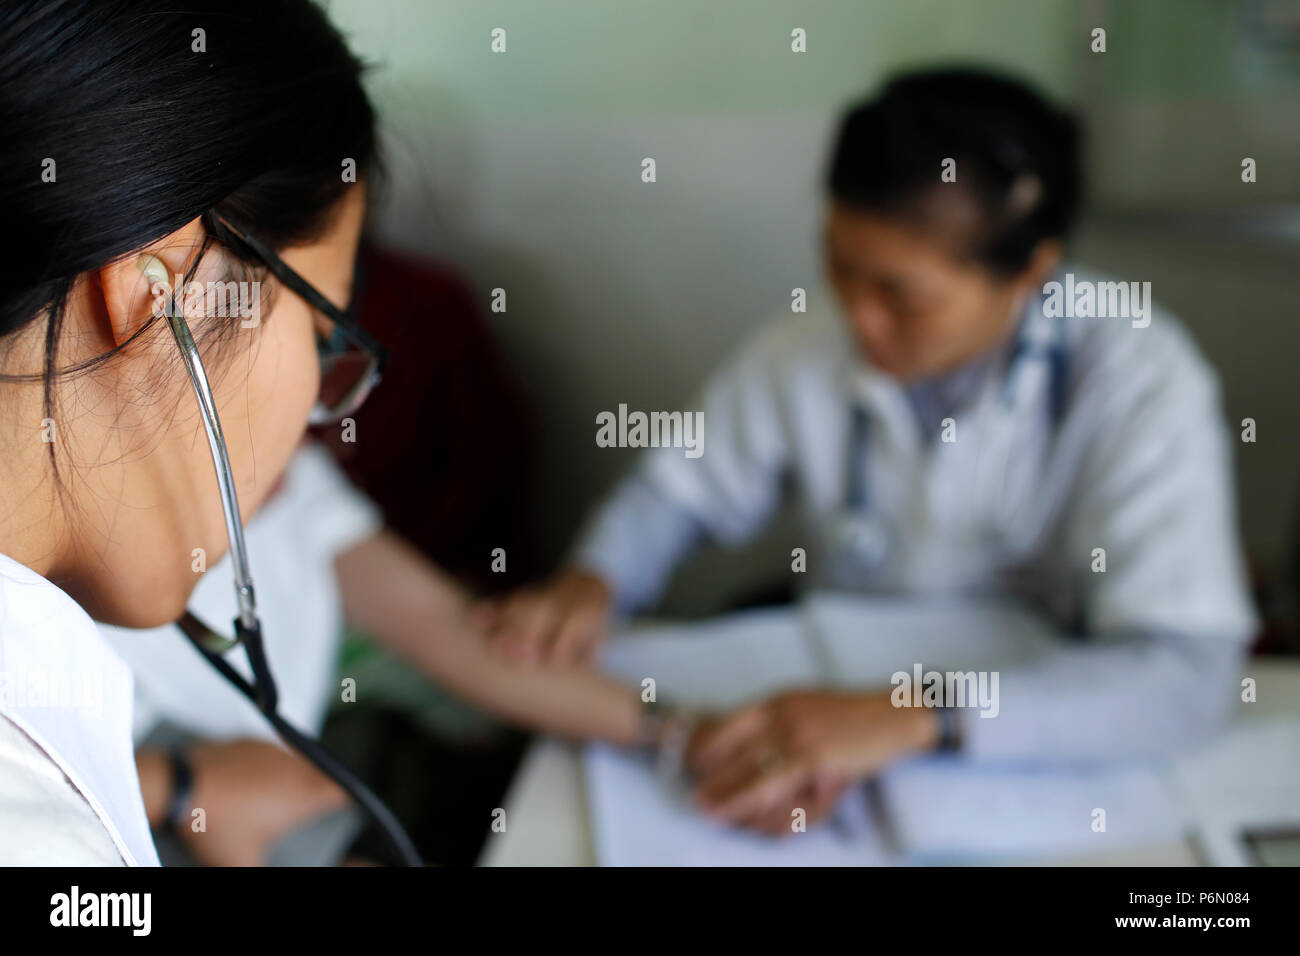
639,820
948,808
940,808
1247,779
944,810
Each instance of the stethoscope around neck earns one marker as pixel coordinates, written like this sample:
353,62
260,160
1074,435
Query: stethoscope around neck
859,531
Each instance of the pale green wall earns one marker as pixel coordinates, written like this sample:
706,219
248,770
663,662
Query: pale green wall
523,170
592,57
1207,48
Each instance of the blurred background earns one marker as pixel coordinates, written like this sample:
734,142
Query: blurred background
521,171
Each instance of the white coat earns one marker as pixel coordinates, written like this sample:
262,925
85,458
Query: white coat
1134,469
69,794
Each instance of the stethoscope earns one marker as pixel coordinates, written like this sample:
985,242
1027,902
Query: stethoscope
261,690
859,532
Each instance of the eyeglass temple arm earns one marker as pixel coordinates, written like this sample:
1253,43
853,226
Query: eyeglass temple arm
281,270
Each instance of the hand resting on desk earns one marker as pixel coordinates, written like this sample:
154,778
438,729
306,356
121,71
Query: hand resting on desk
800,749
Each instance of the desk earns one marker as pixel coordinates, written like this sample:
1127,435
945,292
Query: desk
547,817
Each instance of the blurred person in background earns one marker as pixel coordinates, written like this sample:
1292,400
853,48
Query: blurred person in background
946,431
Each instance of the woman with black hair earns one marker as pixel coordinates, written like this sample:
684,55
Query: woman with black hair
968,417
152,156
184,189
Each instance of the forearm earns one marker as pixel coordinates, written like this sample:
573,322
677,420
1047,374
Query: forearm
1143,696
391,592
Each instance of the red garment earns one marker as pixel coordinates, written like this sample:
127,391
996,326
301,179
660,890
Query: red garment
446,443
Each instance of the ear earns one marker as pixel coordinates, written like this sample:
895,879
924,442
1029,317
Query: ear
131,285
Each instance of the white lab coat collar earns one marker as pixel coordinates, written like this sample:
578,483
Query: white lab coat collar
883,395
46,639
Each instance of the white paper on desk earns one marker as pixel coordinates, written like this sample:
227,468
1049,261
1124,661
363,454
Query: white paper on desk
1246,779
942,808
1249,774
639,821
945,807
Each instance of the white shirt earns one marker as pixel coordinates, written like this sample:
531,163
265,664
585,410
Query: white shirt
1138,465
292,543
69,794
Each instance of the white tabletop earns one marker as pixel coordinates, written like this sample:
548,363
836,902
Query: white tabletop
547,821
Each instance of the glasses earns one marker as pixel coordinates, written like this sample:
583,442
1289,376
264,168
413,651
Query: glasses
351,360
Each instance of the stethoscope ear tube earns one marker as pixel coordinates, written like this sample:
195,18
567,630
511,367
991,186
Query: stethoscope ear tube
860,532
248,629
201,636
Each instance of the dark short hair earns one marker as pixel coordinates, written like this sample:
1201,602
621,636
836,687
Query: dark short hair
149,134
1017,157
150,130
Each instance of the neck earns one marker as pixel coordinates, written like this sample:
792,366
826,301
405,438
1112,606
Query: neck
33,526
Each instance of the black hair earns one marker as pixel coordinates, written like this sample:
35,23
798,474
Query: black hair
151,124
1017,157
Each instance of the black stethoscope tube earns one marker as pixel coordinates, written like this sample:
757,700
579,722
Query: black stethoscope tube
200,634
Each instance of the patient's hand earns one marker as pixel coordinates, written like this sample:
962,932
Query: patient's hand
800,749
252,793
560,622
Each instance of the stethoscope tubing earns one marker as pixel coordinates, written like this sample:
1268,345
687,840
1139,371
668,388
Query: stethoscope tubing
857,498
